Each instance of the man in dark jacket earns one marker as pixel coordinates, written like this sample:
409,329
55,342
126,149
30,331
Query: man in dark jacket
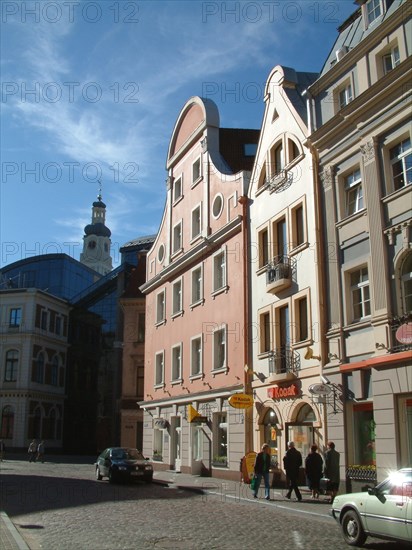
261,469
292,461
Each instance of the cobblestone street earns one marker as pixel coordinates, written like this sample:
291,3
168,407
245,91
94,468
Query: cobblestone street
61,506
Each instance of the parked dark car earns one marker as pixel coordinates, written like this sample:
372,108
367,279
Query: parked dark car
123,464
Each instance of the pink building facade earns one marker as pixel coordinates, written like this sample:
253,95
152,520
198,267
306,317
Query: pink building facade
196,285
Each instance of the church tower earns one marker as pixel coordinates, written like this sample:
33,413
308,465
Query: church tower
96,240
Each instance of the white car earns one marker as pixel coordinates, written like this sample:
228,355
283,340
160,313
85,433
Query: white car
385,511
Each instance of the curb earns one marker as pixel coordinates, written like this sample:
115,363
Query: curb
10,537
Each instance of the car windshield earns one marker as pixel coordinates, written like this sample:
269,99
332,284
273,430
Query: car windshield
127,454
398,483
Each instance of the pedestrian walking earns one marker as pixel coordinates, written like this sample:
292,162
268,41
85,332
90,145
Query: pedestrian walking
2,450
313,470
40,452
32,450
261,469
332,470
292,461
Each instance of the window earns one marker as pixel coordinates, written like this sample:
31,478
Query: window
141,326
263,251
197,443
55,371
391,60
302,332
196,356
39,377
159,368
219,349
217,206
158,444
161,253
293,150
262,177
280,238
177,189
353,192
401,162
196,222
264,332
345,96
7,422
220,439
406,281
177,363
197,285
298,226
161,307
12,361
277,159
364,434
359,288
196,171
373,10
43,319
177,237
58,325
219,270
177,301
15,317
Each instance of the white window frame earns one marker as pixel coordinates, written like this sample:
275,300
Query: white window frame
401,157
12,360
371,9
178,246
345,95
196,355
219,341
196,222
159,369
363,287
160,319
353,187
177,297
219,276
178,186
15,319
176,363
393,56
197,162
197,284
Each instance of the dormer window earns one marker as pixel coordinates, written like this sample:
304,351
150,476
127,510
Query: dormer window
373,10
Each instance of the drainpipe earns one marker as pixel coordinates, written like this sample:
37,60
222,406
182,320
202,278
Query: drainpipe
248,416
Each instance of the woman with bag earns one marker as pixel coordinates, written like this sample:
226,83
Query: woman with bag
261,469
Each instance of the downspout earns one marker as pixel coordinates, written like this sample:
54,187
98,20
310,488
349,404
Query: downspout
247,374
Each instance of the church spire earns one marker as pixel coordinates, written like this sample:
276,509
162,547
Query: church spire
96,240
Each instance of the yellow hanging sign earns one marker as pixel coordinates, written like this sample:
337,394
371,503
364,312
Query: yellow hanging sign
192,413
240,401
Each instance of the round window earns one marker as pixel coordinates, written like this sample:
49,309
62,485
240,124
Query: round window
161,253
217,206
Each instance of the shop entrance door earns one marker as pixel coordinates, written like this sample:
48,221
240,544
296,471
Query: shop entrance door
303,437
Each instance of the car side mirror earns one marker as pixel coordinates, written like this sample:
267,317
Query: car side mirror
371,491
374,492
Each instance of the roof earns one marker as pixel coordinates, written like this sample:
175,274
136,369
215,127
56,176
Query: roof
232,143
352,32
302,81
138,242
98,229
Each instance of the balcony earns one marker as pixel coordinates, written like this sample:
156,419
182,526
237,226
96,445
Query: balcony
280,181
284,364
400,333
279,274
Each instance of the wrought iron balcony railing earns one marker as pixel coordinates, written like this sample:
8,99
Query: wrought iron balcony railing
284,360
279,273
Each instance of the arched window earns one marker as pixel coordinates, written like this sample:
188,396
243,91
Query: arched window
40,368
306,414
271,435
12,360
277,159
262,177
293,150
406,284
7,422
55,370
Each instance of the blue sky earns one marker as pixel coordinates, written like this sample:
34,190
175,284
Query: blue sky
91,91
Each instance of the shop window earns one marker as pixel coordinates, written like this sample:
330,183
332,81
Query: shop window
12,362
159,368
406,284
219,349
157,444
15,317
364,434
197,443
177,297
272,435
360,294
7,422
177,363
401,164
220,440
196,356
161,307
353,192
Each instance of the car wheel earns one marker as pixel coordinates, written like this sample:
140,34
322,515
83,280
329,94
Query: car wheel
352,529
98,474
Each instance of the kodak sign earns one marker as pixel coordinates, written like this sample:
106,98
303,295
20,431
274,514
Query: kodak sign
283,392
